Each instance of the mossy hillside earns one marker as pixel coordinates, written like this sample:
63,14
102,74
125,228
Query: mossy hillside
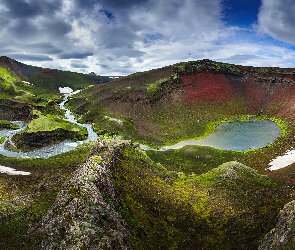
49,80
7,84
24,200
163,123
13,87
208,65
194,159
229,206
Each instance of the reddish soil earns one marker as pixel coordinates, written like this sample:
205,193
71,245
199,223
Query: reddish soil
206,87
274,97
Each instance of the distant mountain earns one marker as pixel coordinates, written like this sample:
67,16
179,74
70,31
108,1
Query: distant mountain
49,80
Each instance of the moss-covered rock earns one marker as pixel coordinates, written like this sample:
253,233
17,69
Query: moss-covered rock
84,214
28,141
282,237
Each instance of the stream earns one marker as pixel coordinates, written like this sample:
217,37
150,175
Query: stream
51,150
229,136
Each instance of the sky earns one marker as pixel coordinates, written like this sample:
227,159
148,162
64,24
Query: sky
120,37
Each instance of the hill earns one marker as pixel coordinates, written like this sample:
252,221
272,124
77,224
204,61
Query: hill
47,80
113,194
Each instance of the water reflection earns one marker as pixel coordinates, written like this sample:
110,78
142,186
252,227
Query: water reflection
234,136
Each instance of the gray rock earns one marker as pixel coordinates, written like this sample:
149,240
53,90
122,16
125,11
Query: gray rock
84,214
283,235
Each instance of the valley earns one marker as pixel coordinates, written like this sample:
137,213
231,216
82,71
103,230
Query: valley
108,193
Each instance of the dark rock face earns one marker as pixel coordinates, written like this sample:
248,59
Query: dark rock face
83,215
13,110
31,141
282,237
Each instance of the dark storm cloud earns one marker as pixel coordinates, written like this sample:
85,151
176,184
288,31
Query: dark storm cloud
36,48
79,65
46,47
277,19
104,66
31,8
56,28
36,58
116,4
75,55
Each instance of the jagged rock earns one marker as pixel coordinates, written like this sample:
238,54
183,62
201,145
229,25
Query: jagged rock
282,237
84,215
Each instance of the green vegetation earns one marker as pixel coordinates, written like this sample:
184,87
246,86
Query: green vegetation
177,199
24,200
203,65
175,210
50,123
7,84
4,124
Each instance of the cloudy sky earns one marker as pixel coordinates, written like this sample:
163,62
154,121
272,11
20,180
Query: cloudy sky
119,37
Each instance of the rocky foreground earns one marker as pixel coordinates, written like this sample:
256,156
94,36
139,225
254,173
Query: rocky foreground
109,203
282,237
82,217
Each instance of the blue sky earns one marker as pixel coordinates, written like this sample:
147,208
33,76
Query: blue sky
242,13
119,37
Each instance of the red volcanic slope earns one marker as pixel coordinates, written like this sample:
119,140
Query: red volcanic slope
274,94
206,87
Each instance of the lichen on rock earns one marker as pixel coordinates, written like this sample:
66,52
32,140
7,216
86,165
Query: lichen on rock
84,215
282,237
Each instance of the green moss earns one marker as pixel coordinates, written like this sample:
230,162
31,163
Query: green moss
42,186
49,123
4,124
2,139
180,211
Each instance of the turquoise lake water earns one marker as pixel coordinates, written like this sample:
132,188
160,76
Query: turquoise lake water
234,136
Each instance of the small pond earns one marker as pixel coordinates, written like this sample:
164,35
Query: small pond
235,136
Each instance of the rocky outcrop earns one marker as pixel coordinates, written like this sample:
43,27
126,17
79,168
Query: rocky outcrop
36,140
282,237
84,214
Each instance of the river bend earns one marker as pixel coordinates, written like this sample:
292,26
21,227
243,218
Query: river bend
51,150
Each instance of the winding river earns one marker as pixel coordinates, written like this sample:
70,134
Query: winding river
229,136
52,150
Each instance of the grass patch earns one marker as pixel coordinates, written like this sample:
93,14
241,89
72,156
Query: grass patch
194,159
50,123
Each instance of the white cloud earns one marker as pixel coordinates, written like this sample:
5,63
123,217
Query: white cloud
122,37
277,19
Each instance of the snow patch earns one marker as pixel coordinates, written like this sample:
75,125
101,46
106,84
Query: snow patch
12,171
65,90
282,161
27,83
